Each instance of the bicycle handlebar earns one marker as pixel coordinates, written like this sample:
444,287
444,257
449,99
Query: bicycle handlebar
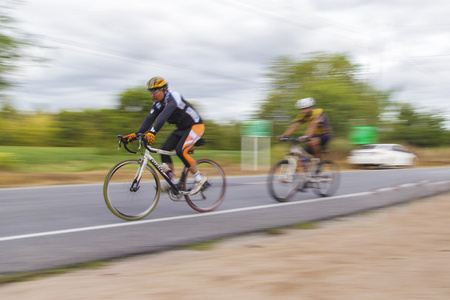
295,140
124,141
139,137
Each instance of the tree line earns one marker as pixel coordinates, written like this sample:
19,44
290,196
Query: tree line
94,128
332,79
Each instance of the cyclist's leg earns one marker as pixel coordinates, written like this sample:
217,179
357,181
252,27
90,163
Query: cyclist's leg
324,139
170,144
316,147
188,140
317,143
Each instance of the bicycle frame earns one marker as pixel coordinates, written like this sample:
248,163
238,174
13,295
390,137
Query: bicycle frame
145,158
148,157
302,158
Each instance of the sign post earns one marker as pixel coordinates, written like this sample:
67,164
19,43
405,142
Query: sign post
255,144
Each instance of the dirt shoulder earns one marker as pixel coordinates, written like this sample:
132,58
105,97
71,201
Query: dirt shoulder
23,179
400,252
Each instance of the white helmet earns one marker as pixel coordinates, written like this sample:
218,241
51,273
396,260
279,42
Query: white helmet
305,103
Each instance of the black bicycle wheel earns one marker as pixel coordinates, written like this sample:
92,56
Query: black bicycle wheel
282,183
213,191
327,178
127,199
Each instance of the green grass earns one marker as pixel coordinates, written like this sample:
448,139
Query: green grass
305,225
275,231
69,159
27,276
202,246
302,226
60,159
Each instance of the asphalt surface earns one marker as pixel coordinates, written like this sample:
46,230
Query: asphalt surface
53,226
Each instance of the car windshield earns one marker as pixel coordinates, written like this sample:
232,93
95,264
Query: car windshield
364,147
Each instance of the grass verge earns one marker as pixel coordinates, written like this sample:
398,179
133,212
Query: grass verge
27,276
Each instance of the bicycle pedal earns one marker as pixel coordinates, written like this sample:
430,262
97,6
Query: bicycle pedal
205,185
175,197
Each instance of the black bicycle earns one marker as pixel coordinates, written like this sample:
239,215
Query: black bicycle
300,171
132,188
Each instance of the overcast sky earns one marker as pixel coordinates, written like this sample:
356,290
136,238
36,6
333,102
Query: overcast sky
216,52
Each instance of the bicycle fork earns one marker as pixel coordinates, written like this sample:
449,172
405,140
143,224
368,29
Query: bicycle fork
138,176
292,166
288,170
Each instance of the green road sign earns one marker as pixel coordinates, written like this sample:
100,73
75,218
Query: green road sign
362,135
256,128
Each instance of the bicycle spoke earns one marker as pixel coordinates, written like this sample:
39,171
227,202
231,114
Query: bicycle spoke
127,197
212,193
283,182
327,179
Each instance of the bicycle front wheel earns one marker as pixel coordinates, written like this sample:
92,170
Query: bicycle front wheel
213,191
282,183
128,195
327,178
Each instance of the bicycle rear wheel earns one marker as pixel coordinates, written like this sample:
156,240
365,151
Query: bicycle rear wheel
213,191
327,178
125,197
282,185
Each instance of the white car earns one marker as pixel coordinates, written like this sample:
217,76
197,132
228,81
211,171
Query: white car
382,155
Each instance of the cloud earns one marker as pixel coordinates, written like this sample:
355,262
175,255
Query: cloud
217,52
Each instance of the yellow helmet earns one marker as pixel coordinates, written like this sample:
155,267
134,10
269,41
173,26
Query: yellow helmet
157,83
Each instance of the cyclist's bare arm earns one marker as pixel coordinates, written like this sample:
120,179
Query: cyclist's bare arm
291,129
309,131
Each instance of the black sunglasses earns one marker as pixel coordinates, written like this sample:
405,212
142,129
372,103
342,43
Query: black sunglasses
154,91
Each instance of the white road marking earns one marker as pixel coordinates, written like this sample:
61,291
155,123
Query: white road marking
134,223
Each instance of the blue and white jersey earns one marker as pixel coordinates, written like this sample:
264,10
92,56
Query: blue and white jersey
174,110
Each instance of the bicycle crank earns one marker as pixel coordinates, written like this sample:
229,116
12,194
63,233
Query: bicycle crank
175,197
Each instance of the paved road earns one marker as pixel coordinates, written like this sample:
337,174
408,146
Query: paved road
45,227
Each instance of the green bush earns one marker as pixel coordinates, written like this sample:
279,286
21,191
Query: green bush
8,161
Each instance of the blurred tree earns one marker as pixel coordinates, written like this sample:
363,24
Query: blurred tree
8,47
9,120
425,129
71,129
222,136
12,41
92,128
39,130
135,99
8,111
329,78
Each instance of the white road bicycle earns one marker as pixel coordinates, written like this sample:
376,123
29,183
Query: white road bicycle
299,171
132,188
